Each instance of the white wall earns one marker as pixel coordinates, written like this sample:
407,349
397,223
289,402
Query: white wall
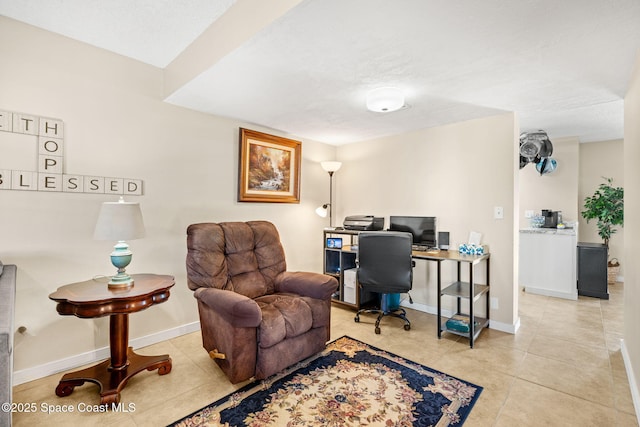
457,173
117,125
631,347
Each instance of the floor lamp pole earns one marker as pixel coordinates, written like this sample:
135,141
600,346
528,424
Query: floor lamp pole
330,198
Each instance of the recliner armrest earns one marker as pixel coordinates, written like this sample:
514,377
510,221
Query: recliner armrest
239,310
314,285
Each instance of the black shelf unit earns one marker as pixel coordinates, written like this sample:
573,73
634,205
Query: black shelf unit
592,270
337,260
470,291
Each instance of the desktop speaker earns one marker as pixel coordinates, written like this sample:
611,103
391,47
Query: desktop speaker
443,240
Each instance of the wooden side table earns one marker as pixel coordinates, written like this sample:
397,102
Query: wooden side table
93,298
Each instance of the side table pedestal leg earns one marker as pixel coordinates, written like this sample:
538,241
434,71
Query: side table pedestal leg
112,381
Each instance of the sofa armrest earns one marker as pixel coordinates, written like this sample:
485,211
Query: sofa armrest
314,285
239,310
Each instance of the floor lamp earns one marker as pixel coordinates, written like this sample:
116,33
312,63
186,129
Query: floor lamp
330,167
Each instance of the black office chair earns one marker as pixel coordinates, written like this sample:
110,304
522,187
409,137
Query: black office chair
385,266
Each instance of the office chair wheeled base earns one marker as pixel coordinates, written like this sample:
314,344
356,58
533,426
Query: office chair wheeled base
400,313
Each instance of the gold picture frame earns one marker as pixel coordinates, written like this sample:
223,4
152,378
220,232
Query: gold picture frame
269,168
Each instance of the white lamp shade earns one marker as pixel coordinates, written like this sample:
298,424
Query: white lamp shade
322,211
331,166
119,221
385,100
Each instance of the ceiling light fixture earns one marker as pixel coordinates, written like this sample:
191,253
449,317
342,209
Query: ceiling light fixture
385,100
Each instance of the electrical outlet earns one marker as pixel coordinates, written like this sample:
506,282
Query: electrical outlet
498,212
494,303
528,214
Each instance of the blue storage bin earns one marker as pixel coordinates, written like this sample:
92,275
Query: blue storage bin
389,302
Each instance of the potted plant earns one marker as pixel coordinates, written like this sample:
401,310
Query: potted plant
606,206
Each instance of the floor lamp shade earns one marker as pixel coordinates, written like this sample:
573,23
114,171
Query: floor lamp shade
322,210
330,167
120,221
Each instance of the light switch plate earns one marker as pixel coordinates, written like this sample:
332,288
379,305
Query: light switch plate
498,212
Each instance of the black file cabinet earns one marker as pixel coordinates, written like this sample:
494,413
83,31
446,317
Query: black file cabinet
592,270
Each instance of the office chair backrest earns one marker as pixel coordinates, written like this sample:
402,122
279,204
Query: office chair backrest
384,261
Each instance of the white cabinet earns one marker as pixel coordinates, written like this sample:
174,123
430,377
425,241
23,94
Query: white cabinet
548,262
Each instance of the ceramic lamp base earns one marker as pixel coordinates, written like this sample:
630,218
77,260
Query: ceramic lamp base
121,281
121,258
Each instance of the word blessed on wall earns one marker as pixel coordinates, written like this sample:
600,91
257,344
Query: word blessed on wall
50,176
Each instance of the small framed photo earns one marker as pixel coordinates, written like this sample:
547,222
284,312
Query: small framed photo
334,242
269,168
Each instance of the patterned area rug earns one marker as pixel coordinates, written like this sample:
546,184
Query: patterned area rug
349,384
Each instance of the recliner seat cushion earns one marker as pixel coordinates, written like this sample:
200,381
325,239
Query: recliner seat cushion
283,316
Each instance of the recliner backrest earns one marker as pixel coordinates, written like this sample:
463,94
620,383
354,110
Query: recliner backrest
384,261
244,257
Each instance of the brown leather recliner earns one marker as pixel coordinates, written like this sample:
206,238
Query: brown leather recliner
256,317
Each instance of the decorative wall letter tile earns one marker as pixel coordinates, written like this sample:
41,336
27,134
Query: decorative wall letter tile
49,164
23,180
5,179
49,182
72,183
114,186
133,187
6,121
53,128
50,146
25,123
93,184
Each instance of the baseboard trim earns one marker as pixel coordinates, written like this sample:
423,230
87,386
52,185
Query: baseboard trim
505,327
69,363
550,293
499,326
425,308
633,381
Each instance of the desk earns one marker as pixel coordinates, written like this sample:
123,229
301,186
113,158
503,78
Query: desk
339,259
92,298
460,290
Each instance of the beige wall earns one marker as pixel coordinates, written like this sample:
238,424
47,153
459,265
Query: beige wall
457,173
117,125
598,160
558,190
632,233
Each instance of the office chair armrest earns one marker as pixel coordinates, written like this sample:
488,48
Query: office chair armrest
239,310
314,285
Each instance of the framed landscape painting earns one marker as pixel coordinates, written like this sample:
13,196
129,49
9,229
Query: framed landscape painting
269,168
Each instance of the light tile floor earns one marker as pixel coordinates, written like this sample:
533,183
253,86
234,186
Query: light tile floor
563,368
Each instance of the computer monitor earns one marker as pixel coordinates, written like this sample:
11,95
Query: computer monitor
423,228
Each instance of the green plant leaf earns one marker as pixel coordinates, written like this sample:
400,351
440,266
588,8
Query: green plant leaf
606,205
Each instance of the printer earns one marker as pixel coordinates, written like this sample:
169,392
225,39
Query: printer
363,223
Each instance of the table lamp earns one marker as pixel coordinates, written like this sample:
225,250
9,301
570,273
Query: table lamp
120,221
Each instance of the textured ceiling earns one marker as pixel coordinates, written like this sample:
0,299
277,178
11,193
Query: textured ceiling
151,31
562,66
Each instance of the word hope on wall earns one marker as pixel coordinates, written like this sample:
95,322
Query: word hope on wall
50,174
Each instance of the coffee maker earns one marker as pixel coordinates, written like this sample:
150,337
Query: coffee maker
551,218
